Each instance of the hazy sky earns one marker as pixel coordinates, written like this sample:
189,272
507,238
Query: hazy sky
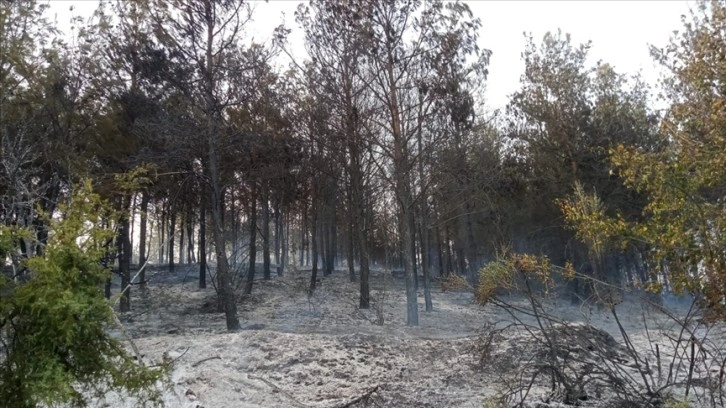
621,31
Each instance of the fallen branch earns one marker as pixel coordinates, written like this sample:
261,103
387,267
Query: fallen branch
181,355
169,361
280,390
128,337
131,282
206,359
363,397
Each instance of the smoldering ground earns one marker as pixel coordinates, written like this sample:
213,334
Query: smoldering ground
298,350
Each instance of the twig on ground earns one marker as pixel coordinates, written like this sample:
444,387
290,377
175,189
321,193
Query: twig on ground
205,360
128,337
168,362
280,390
364,397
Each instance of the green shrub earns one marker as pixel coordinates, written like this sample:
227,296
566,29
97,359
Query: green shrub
54,326
677,404
491,402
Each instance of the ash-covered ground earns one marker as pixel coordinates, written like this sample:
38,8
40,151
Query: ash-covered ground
297,350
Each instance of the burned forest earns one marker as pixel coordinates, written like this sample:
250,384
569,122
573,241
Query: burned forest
196,213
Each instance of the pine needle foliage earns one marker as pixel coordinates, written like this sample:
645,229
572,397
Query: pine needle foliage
54,322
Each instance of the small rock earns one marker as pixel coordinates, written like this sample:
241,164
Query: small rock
190,394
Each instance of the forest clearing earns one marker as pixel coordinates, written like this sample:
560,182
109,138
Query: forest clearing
323,351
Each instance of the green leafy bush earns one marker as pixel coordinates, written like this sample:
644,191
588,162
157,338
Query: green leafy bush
54,325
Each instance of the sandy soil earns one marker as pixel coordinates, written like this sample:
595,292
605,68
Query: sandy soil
322,351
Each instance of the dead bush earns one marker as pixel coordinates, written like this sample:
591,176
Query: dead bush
578,362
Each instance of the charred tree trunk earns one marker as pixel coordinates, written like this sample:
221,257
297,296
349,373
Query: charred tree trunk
362,241
142,238
405,203
181,238
253,238
278,232
124,255
365,292
333,241
359,236
403,192
412,229
162,233
350,250
226,292
281,245
266,232
323,243
439,251
424,235
172,230
190,236
235,226
104,262
424,232
286,244
326,241
303,232
314,242
408,256
202,240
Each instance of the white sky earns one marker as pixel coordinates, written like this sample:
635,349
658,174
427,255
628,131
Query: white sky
621,31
